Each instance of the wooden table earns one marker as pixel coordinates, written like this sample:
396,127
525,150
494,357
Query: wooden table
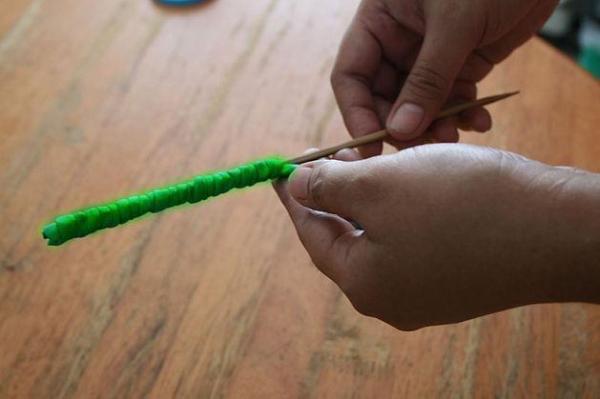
99,98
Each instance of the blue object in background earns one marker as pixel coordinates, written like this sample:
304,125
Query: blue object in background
180,2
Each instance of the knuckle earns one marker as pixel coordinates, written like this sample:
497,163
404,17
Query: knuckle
335,77
571,169
319,262
408,326
360,298
427,82
341,79
364,307
319,184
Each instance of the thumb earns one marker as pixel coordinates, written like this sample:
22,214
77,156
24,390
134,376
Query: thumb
441,58
330,186
331,241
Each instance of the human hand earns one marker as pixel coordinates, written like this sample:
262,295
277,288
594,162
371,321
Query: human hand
402,60
451,232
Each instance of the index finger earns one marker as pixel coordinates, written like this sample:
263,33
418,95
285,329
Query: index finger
355,68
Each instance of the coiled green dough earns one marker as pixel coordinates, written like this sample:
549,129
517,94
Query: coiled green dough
89,220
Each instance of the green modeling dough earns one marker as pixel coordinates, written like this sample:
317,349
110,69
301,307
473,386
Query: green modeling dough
88,220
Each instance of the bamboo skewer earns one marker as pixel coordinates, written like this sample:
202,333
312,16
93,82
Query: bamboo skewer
88,220
382,134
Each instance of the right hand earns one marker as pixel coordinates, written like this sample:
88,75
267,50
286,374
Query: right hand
401,61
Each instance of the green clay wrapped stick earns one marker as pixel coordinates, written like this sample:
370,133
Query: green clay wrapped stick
89,220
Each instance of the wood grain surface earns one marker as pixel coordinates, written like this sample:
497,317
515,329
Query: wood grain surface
102,98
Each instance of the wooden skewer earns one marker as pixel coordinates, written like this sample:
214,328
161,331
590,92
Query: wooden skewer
382,134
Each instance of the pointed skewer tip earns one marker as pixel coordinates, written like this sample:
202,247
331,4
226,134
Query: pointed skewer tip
380,135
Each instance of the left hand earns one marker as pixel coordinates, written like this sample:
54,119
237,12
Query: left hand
449,232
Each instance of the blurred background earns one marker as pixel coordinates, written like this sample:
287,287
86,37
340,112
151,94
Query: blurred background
574,28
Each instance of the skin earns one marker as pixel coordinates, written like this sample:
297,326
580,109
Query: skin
425,54
448,232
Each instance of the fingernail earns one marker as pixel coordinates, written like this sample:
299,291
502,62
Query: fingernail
406,119
298,183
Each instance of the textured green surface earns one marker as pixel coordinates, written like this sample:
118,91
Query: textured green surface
89,220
